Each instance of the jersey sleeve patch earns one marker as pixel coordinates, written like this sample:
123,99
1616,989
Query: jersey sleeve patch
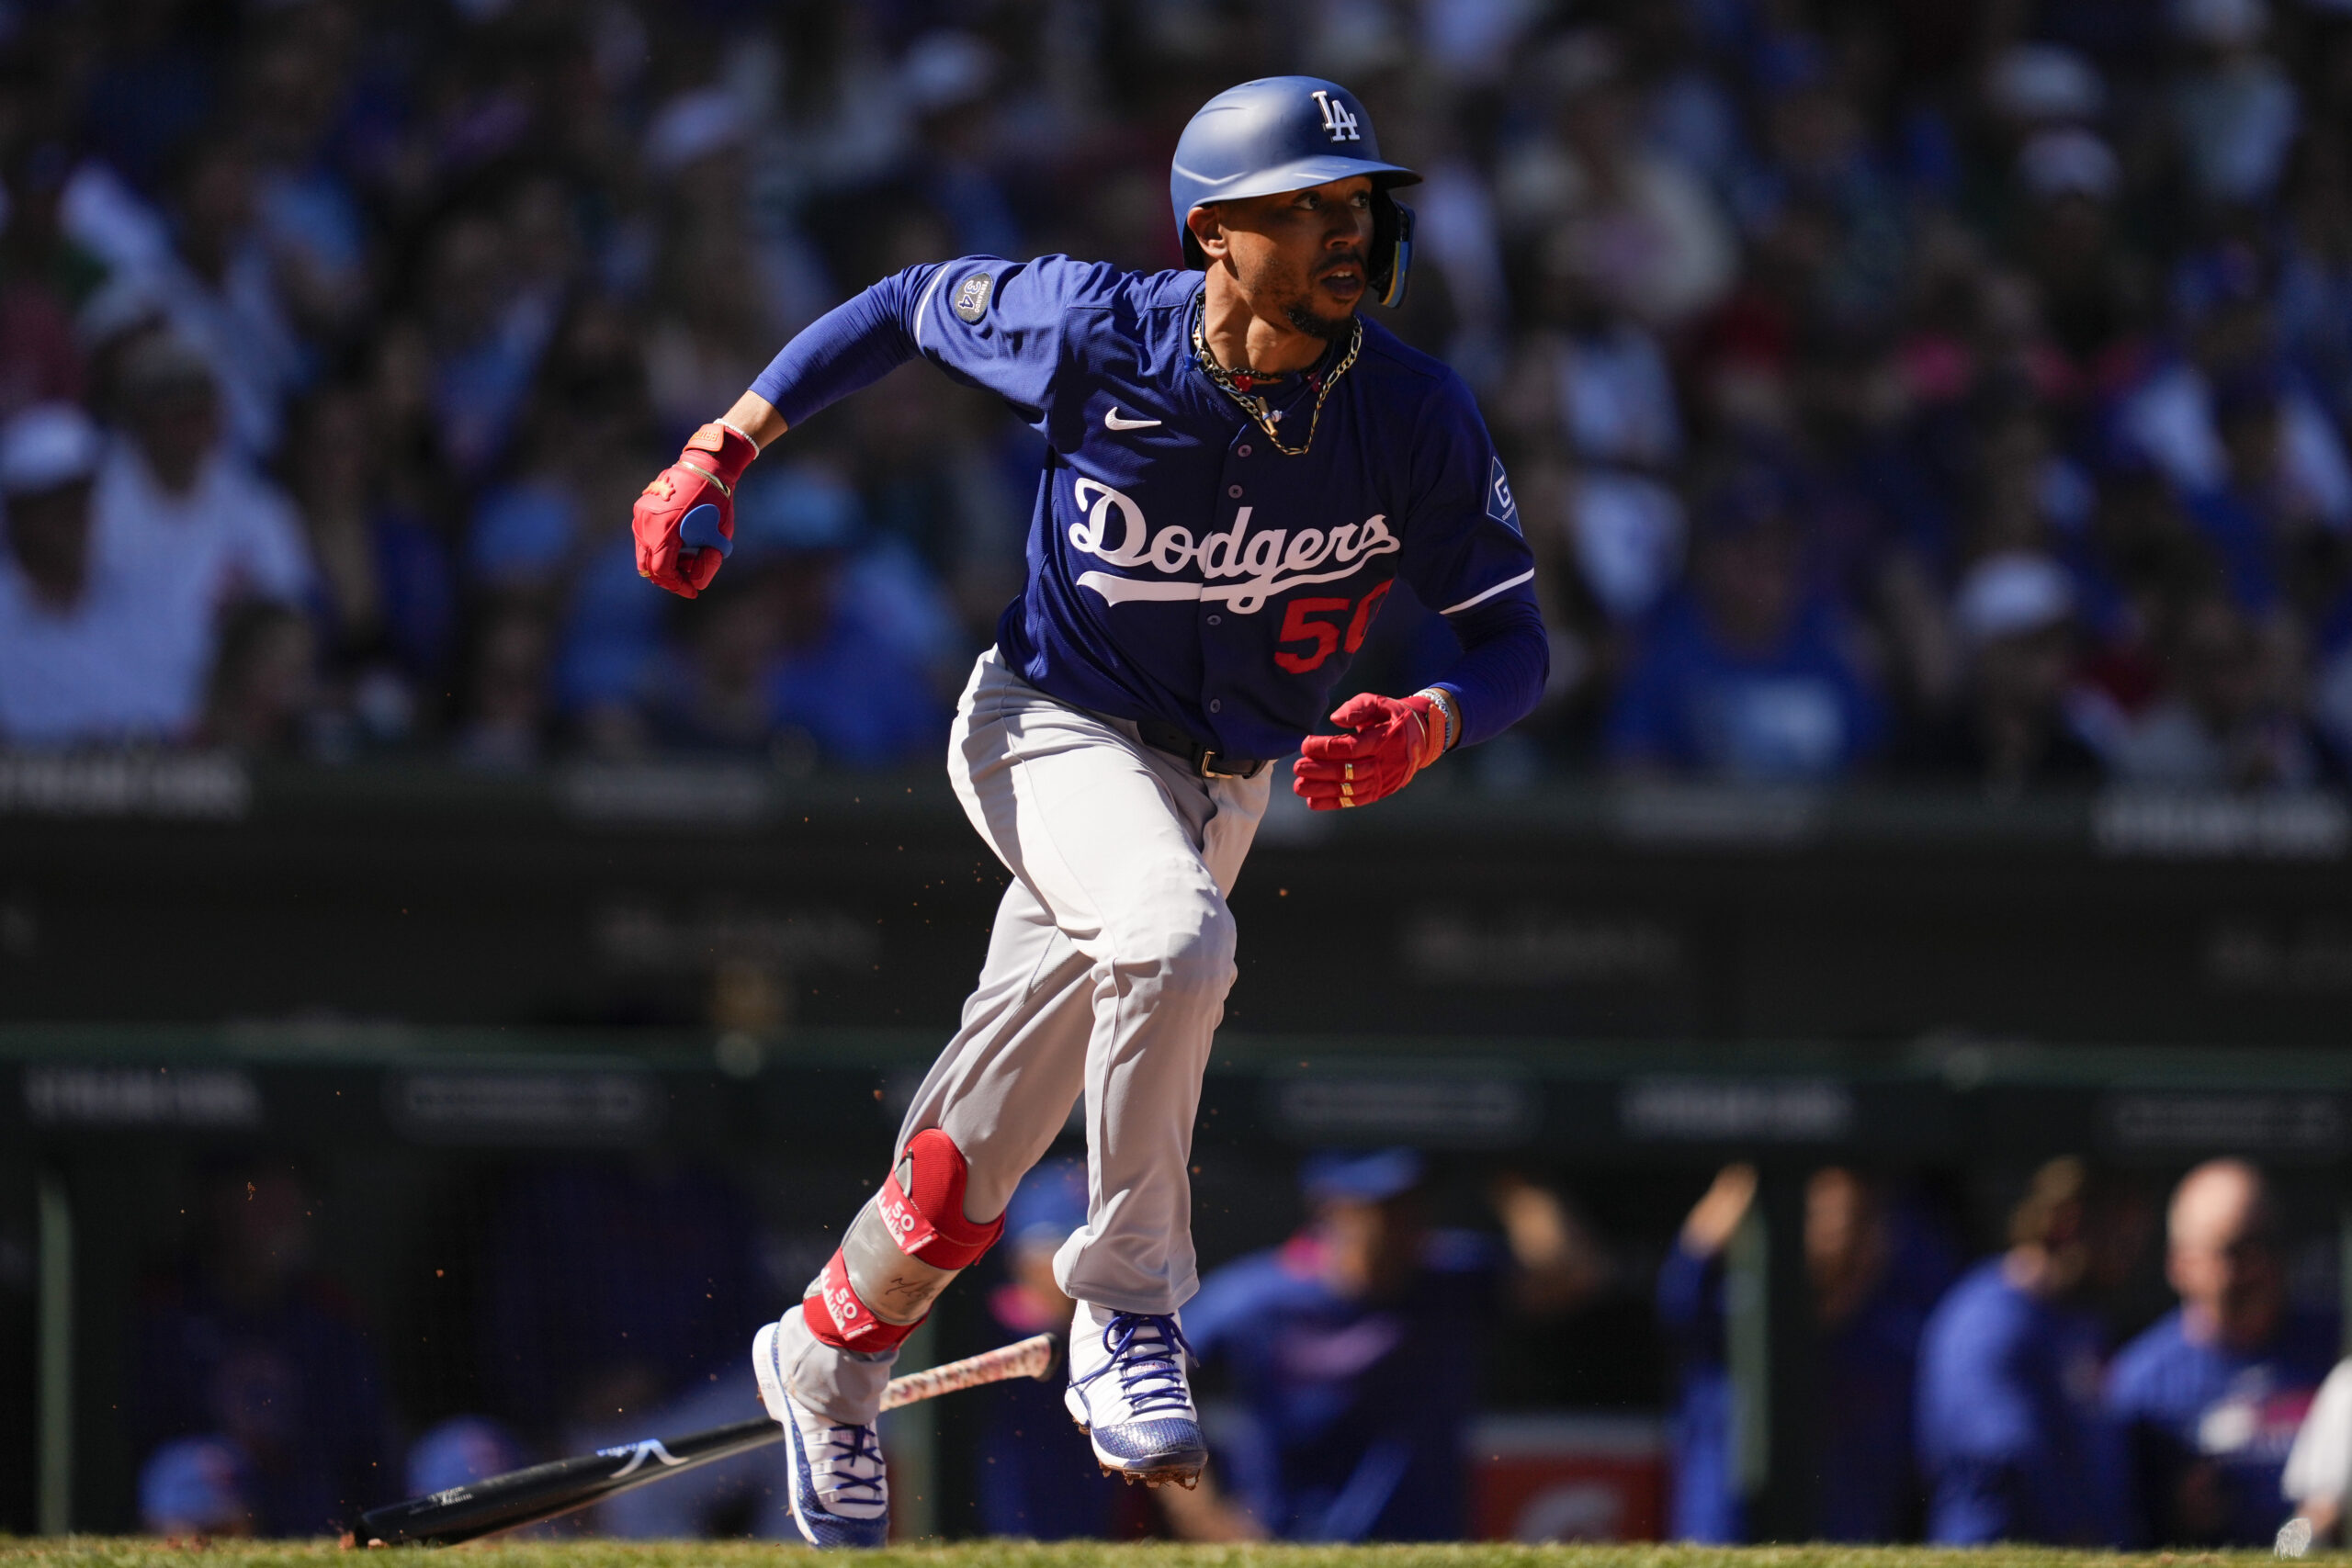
1499,504
972,301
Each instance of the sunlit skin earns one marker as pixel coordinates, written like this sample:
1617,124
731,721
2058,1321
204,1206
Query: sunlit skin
1285,275
2221,1259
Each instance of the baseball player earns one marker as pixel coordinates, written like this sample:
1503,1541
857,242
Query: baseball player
1239,467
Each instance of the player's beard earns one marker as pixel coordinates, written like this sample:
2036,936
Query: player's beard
1331,329
1301,314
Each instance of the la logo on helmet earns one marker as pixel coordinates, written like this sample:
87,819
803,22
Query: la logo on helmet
1337,120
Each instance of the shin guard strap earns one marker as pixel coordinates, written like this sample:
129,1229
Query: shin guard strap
836,1316
928,1222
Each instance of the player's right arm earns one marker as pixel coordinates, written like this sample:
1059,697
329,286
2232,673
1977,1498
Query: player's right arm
988,322
1464,551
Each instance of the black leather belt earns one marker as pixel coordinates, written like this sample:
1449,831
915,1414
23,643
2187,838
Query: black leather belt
1162,736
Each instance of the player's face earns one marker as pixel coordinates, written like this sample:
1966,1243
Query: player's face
1299,255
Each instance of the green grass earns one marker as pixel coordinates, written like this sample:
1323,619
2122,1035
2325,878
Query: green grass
104,1552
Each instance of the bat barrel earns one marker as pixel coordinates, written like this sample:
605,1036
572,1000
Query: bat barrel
548,1491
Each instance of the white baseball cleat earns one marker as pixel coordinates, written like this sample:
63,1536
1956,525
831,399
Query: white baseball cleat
1128,1393
839,1493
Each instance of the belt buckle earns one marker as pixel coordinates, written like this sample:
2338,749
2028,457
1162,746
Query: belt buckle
1209,768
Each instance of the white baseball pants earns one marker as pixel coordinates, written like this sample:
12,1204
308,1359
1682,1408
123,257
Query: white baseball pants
1106,976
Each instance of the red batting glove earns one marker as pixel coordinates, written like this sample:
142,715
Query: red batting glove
1389,740
685,520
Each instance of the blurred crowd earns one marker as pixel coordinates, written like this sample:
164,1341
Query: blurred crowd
1906,390
2004,1402
2059,1389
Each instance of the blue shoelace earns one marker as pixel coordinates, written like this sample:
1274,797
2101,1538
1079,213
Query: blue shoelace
1149,1374
863,1442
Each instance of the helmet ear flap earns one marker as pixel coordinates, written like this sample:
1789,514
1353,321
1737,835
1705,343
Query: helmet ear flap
1392,248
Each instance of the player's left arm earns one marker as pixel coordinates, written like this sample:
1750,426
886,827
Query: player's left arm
1464,554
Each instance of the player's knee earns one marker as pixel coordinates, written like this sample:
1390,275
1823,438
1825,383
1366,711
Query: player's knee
1188,959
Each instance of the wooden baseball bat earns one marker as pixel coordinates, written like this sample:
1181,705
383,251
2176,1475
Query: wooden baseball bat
527,1497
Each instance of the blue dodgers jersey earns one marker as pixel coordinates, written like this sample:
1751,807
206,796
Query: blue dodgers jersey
2233,1412
1180,567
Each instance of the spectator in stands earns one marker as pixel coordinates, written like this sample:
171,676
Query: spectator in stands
2253,516
184,512
216,292
2014,1441
178,496
2227,337
487,326
2314,285
505,715
2133,568
2234,110
386,597
2012,731
92,647
2225,723
1749,675
248,1346
1707,1502
612,1286
1876,1272
44,279
1602,378
1353,1351
1650,236
2211,1395
195,1488
789,655
297,89
1877,1268
264,689
536,527
933,467
1807,232
2094,289
614,1292
462,1449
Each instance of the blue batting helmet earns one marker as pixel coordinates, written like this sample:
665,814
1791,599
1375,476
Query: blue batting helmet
1285,133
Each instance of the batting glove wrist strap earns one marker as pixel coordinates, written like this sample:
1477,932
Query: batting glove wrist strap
1449,711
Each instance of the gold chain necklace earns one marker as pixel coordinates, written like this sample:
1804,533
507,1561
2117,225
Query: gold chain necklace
1256,407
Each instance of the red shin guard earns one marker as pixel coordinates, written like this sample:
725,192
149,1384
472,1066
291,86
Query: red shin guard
900,1252
927,1221
837,1317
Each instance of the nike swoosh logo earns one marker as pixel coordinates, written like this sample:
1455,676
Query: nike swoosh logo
1115,423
